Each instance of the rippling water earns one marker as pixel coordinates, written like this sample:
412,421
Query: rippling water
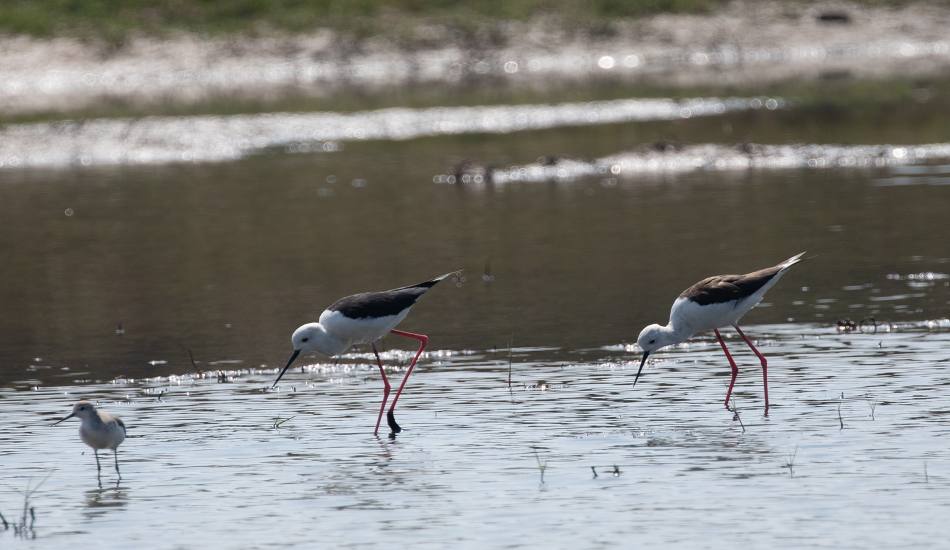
205,465
167,292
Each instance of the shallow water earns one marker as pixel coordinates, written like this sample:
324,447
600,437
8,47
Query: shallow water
205,465
168,293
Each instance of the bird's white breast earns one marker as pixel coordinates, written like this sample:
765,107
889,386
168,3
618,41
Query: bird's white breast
107,435
696,318
359,331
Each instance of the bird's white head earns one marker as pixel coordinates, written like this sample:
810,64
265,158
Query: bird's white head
652,338
83,410
307,338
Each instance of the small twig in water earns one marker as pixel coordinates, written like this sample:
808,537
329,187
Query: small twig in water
840,420
735,414
191,356
873,406
541,465
594,469
868,321
616,471
790,462
278,422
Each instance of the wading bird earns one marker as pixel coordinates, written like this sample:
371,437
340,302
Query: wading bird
715,302
99,430
364,319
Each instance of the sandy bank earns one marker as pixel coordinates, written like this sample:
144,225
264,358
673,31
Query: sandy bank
748,42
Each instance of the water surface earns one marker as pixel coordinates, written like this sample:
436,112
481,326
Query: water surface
206,466
168,292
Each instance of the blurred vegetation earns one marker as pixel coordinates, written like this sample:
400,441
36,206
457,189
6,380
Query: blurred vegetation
116,19
826,95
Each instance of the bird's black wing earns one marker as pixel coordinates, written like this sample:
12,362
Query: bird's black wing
383,303
719,289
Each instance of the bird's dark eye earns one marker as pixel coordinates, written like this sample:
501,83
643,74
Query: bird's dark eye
653,341
304,339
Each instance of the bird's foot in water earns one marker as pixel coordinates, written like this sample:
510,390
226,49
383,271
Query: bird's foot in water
391,420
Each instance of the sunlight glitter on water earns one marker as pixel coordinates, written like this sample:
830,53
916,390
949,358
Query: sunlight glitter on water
717,157
151,140
206,456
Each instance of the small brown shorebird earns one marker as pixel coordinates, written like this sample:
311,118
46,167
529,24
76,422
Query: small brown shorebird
99,430
364,319
715,302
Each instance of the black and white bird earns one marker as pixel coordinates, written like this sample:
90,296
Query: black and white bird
364,319
715,302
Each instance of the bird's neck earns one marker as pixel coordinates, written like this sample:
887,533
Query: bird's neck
328,344
675,333
93,420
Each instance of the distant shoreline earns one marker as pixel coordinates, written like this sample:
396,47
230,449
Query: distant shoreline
740,44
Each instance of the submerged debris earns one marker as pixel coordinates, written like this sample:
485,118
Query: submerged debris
469,171
846,325
867,325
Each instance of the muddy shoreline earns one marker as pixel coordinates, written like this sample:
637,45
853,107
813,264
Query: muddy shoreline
746,43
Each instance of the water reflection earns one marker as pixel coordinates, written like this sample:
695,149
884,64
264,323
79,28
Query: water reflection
104,499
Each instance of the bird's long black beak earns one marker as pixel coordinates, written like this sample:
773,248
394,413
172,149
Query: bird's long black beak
63,419
642,362
289,362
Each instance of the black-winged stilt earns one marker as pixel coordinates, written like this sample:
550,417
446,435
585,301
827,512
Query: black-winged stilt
714,302
364,319
99,430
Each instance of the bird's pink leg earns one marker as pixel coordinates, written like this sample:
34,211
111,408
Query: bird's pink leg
423,340
732,363
386,388
765,367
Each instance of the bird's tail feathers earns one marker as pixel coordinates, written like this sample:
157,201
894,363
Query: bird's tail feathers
793,260
432,282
